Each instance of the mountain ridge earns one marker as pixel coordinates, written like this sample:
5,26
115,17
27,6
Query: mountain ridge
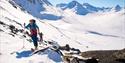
86,7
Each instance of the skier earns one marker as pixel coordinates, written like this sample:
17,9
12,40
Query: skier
34,30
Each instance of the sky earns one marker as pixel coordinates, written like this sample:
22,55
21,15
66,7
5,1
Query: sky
98,3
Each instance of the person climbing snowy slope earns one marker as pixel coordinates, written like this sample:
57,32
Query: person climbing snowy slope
34,31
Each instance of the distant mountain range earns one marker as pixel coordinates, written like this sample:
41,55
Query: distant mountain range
35,7
85,8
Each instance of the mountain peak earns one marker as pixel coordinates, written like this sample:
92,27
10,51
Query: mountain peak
77,7
117,8
74,1
73,4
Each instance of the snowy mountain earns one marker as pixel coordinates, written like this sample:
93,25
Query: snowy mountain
94,31
79,8
35,8
75,6
85,8
117,8
91,8
31,6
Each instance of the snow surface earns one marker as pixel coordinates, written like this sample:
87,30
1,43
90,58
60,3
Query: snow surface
97,31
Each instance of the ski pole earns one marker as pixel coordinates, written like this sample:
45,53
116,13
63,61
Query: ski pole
24,37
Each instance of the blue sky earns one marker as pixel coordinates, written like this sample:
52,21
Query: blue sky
98,3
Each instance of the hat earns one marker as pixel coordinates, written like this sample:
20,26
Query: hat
32,20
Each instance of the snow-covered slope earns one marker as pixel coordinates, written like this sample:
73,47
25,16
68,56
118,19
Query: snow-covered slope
37,8
97,31
11,45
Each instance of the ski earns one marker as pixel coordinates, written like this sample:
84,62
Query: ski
37,51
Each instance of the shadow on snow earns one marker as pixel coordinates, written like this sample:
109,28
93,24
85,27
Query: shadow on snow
50,17
23,54
50,54
97,33
54,56
47,16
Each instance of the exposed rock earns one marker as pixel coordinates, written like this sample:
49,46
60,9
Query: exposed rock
107,56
